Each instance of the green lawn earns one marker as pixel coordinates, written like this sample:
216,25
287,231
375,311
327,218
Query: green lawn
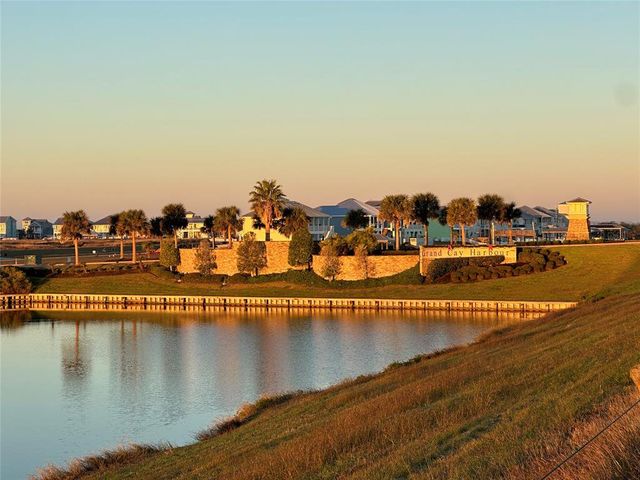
504,407
590,270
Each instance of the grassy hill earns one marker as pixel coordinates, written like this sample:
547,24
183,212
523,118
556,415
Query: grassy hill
512,405
589,271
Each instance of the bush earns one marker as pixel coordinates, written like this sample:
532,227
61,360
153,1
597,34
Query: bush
205,258
13,280
442,266
252,255
169,254
300,248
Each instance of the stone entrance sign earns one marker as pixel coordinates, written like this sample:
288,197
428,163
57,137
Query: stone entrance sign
428,254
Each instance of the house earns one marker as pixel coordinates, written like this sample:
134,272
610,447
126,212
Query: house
37,227
194,227
609,231
338,212
102,228
319,225
8,227
57,228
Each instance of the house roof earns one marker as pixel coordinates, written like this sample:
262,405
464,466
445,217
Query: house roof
355,204
578,200
533,212
548,211
310,212
5,218
608,225
333,210
103,221
59,221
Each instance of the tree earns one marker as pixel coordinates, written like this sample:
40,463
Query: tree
155,226
363,242
209,227
395,209
252,255
462,212
169,255
228,221
424,207
355,219
330,252
300,248
134,223
13,281
174,218
74,226
205,258
116,227
490,207
267,201
293,219
507,215
442,219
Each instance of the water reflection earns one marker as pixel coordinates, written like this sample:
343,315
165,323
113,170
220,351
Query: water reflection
77,382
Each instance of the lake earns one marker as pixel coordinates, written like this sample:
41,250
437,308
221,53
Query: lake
74,383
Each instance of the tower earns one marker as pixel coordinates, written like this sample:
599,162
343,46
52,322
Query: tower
577,212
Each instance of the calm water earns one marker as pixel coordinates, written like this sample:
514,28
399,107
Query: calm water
75,383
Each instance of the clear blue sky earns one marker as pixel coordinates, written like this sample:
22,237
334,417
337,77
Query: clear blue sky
116,105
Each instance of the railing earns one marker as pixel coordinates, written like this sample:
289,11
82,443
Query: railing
43,301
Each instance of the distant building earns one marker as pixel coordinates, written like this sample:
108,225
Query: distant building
608,231
8,227
102,228
37,227
577,212
338,212
319,225
57,228
194,227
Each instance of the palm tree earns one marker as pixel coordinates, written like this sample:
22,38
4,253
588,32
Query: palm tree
424,207
155,226
228,220
134,223
507,215
116,227
174,217
490,207
442,219
209,227
267,201
293,219
355,219
462,212
395,209
74,226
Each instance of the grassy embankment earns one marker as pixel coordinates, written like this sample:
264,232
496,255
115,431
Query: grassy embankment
589,270
512,405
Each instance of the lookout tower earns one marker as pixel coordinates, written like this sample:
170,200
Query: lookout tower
577,212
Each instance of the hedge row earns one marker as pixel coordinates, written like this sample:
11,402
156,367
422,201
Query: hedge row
529,261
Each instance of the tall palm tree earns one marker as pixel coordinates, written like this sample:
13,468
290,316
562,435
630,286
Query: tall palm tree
490,207
424,207
209,227
116,227
267,201
508,214
228,220
74,226
174,217
155,225
135,223
396,209
355,219
293,219
442,219
462,212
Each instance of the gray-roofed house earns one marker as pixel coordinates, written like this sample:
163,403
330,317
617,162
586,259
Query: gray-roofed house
37,227
8,227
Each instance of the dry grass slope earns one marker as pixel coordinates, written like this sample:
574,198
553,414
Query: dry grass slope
510,406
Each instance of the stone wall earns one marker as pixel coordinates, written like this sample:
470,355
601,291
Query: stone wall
226,259
352,268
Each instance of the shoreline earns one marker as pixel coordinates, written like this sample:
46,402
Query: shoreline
43,301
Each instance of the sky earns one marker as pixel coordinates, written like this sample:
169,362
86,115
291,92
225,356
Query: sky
114,105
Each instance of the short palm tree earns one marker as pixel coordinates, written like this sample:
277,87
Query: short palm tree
293,219
490,207
228,220
424,207
395,209
507,215
442,219
209,227
267,202
462,212
174,218
134,223
355,219
116,227
74,226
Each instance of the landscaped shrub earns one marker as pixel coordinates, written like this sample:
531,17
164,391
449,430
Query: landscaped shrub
529,261
442,266
13,280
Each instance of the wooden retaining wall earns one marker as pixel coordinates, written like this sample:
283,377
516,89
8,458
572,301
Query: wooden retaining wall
42,301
